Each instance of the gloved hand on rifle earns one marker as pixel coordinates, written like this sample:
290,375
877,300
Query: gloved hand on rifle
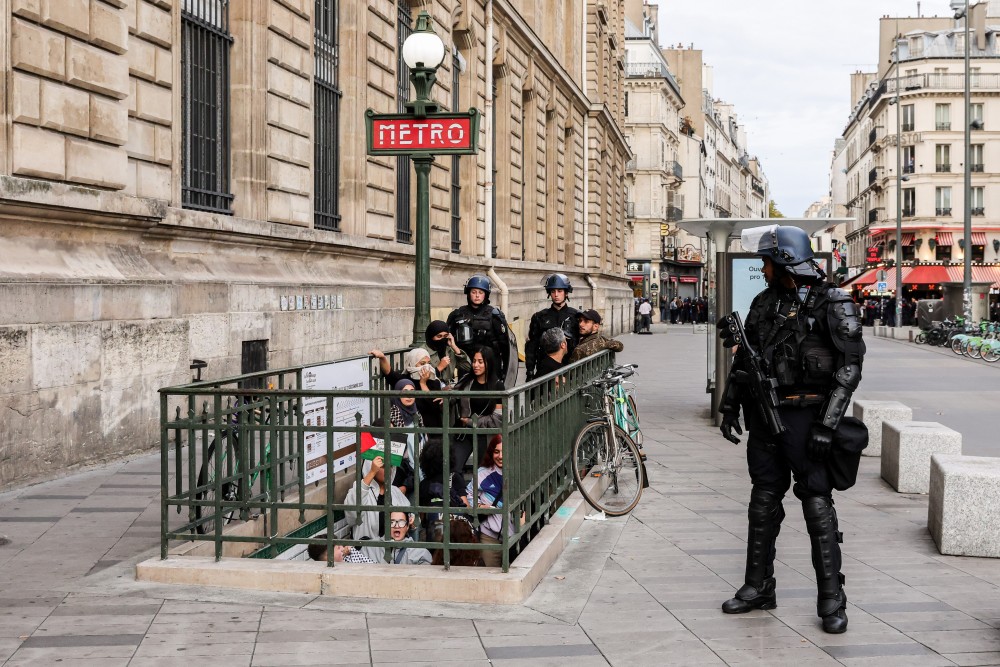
820,442
729,338
730,423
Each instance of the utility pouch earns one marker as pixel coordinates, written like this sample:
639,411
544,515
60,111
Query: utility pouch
849,440
817,363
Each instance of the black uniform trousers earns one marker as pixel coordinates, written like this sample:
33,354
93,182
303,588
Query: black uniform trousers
774,461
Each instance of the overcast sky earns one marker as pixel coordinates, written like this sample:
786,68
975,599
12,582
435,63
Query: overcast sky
786,65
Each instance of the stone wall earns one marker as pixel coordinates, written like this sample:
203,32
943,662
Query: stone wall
108,287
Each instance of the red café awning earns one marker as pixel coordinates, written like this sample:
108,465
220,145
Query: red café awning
978,238
980,274
943,238
689,279
927,275
908,238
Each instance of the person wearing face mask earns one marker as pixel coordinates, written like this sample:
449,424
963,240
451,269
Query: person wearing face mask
478,324
448,359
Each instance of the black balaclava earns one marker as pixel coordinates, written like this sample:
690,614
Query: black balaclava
433,329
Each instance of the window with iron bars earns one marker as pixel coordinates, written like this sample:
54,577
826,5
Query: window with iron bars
205,159
456,160
326,118
404,27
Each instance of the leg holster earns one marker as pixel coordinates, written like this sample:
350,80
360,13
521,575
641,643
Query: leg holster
821,522
765,515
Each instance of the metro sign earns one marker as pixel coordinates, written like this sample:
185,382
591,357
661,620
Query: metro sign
436,134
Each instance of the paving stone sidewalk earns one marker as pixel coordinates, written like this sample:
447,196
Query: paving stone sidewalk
644,590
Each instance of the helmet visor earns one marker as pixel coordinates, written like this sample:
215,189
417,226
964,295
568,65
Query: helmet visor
760,240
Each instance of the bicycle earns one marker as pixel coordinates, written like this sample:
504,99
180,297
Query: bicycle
605,452
231,463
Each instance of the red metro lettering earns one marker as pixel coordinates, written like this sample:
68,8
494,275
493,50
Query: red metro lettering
421,134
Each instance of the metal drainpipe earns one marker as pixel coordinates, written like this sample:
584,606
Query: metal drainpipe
593,290
504,290
586,142
488,130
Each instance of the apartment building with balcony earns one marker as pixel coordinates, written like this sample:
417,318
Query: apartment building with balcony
656,173
928,143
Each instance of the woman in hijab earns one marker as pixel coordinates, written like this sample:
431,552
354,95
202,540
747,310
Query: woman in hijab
403,413
485,412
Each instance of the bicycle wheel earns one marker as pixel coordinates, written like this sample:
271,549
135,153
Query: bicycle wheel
956,345
991,352
632,419
920,338
206,478
975,348
614,465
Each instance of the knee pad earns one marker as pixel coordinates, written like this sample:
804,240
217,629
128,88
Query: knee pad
765,507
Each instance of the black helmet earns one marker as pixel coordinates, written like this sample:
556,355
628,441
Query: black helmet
788,247
478,281
558,281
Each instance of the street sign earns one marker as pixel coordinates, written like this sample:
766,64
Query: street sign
437,134
882,287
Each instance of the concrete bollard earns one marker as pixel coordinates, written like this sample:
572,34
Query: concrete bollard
906,452
873,413
964,504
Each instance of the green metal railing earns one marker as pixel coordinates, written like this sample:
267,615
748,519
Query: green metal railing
253,431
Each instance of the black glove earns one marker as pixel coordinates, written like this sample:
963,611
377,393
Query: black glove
730,423
820,442
727,336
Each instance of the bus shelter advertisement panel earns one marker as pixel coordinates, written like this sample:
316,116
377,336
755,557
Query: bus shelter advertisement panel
747,279
340,376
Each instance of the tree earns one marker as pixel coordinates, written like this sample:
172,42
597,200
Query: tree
772,210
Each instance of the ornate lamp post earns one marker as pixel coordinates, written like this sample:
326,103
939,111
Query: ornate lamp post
421,133
423,53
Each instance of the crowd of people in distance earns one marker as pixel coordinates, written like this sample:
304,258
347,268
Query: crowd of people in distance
683,311
472,352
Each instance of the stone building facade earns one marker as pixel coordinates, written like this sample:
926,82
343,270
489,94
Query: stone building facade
188,179
929,143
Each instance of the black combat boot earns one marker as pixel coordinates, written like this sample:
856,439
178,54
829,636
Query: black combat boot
831,601
765,514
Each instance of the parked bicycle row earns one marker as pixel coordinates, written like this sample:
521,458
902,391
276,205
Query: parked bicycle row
980,341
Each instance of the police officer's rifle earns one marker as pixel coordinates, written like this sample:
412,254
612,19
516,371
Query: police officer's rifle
762,387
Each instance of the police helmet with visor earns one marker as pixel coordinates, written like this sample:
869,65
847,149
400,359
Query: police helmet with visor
788,247
478,281
558,281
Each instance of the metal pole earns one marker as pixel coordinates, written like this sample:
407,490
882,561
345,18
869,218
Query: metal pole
967,248
422,264
899,200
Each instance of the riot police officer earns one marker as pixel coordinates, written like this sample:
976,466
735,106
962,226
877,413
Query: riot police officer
808,335
560,315
478,324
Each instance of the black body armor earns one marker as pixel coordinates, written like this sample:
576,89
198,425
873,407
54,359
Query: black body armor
565,318
811,343
484,326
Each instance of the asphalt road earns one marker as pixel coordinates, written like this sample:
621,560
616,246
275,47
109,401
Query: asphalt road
939,386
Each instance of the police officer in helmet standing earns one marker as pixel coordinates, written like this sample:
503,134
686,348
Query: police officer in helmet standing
808,335
559,315
479,324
